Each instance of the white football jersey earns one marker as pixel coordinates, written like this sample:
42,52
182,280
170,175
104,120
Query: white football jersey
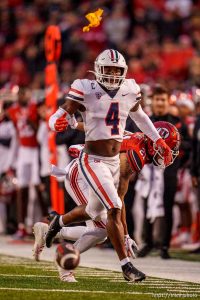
106,111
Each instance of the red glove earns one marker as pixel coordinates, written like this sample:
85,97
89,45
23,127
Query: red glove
165,151
75,150
61,123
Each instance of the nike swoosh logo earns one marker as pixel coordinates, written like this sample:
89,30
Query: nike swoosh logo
125,94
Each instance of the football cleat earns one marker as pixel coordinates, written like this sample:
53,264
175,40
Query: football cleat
132,274
54,228
39,230
67,277
51,215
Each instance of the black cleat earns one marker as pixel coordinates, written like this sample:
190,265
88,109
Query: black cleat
51,215
130,273
54,228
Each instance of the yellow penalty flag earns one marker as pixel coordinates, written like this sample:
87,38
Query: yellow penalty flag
94,18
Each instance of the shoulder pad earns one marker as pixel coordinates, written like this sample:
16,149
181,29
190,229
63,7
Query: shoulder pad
133,86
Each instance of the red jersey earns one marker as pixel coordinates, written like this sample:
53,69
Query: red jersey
21,116
135,147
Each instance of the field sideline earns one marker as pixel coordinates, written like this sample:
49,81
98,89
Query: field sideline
25,279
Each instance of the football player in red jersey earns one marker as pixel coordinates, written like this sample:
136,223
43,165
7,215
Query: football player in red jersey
138,150
24,116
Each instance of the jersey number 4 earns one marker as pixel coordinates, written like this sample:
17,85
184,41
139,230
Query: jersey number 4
112,118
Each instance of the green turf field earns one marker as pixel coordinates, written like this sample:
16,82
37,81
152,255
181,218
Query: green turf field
24,279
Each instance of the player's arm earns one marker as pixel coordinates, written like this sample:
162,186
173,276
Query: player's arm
125,174
80,126
143,122
75,100
146,126
64,115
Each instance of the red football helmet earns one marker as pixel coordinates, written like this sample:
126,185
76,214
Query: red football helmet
171,136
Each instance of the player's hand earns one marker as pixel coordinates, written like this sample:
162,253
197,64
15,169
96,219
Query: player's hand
72,122
61,123
58,121
131,246
165,151
75,150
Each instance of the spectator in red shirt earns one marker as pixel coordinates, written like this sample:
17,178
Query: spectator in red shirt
24,116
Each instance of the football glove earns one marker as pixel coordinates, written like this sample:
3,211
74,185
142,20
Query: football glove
164,150
61,123
58,121
75,150
131,246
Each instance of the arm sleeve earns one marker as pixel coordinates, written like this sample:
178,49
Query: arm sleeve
144,124
76,92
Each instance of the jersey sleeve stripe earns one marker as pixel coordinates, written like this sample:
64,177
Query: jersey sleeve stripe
70,96
76,91
134,160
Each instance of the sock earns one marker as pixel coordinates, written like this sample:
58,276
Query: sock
124,261
61,222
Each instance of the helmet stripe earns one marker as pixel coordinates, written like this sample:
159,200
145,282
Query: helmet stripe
117,57
112,54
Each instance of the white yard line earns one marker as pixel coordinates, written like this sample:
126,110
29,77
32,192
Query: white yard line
28,275
168,295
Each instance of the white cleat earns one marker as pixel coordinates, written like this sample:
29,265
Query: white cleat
39,230
68,277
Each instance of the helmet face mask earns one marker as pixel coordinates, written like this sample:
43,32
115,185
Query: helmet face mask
110,58
158,158
171,136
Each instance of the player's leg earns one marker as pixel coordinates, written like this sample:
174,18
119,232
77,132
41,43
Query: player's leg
23,178
22,205
100,178
89,239
35,180
40,230
85,239
100,174
78,191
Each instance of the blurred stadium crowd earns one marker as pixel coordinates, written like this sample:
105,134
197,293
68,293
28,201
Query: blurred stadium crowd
160,40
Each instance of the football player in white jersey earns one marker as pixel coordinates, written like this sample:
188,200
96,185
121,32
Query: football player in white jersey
105,104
